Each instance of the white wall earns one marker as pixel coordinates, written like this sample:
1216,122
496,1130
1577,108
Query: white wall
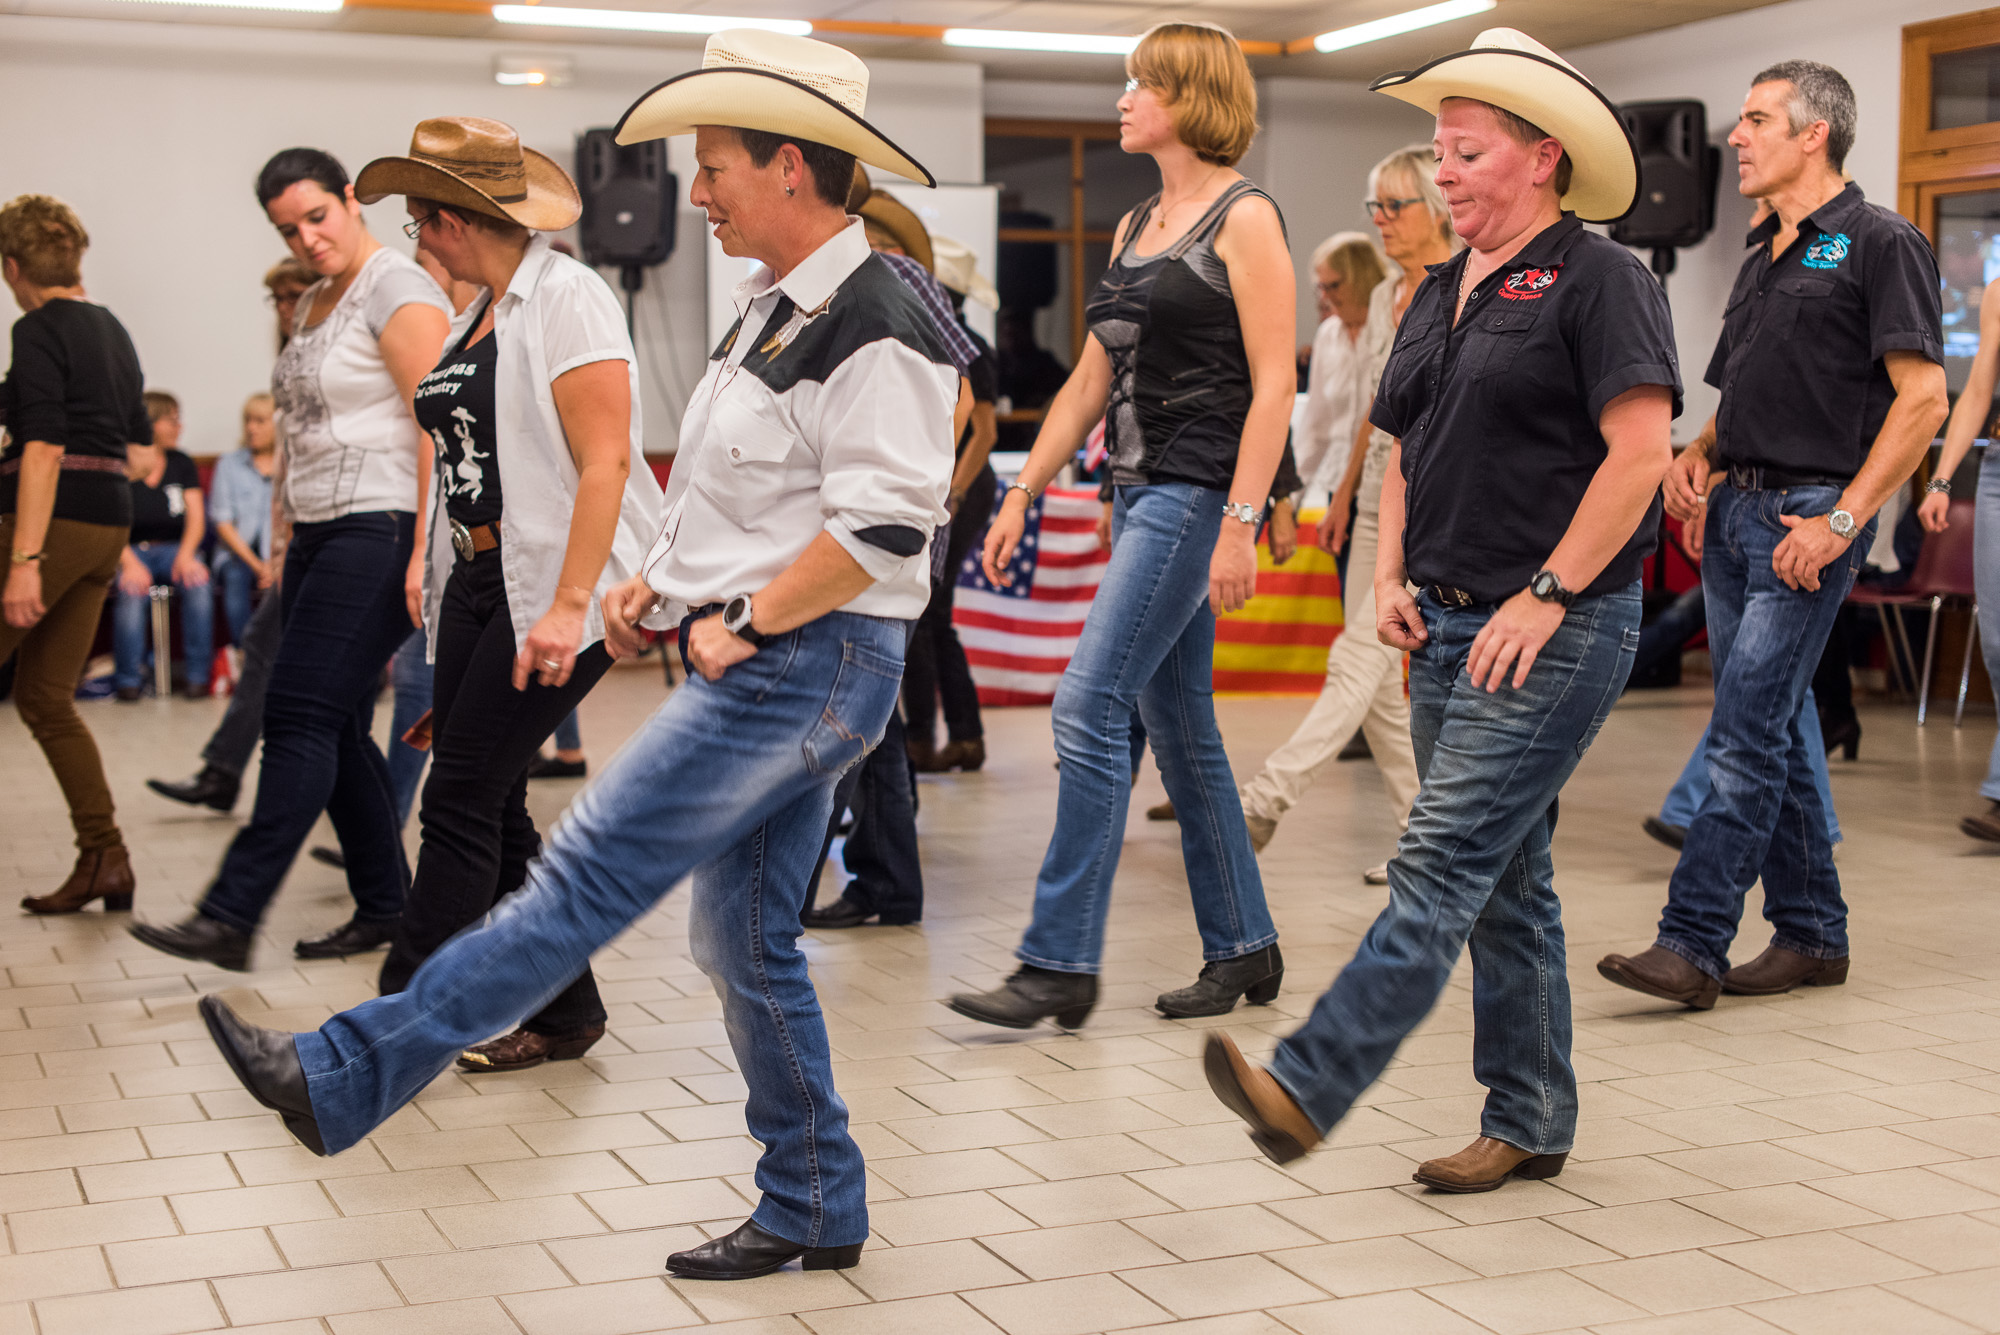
155,132
1714,61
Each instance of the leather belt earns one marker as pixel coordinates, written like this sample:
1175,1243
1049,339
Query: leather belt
1451,597
469,542
1747,477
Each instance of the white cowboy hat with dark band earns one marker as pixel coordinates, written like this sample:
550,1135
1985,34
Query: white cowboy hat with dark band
472,163
958,269
752,79
1512,70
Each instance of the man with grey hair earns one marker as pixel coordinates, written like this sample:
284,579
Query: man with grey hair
1830,367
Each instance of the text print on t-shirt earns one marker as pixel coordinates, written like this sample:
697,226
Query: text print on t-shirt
461,464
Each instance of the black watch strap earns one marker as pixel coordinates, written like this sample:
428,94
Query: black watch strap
1547,587
738,624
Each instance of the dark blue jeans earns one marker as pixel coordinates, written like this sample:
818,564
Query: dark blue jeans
1475,866
730,780
344,616
1763,815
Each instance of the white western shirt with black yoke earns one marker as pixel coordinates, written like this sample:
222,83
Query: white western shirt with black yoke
828,406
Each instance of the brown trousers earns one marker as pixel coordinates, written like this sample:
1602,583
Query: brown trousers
82,561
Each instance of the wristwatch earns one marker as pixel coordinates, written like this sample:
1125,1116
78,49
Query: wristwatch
22,558
1244,511
1842,524
1548,588
736,614
1942,485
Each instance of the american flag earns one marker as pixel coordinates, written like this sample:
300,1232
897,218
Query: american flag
1019,639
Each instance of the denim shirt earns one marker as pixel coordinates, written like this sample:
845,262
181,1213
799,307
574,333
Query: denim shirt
240,495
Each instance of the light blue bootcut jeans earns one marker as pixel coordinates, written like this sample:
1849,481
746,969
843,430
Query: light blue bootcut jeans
1148,641
731,781
1764,816
1475,866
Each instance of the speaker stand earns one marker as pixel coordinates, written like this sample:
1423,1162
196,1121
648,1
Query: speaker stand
631,278
1663,263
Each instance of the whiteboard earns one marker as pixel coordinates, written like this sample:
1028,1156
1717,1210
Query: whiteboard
968,213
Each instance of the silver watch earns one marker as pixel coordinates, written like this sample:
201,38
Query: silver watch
1842,524
1244,511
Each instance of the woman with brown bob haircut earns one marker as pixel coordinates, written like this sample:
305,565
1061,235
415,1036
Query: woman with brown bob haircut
1189,362
71,403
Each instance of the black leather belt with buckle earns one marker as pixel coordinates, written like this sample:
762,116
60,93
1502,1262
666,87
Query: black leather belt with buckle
1747,477
1451,597
469,542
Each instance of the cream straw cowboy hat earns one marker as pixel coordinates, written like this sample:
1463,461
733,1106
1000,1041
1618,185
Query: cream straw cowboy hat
1512,70
957,268
472,163
756,80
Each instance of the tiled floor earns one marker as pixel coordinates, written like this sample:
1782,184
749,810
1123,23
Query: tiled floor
1821,1163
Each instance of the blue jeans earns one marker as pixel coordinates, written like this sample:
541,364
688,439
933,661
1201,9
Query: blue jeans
1684,799
410,675
238,584
1148,640
769,740
131,618
569,735
1475,865
1764,815
1986,586
344,616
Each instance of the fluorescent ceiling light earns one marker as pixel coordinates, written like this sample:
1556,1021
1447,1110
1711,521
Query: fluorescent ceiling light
515,71
1376,29
298,6
1080,43
639,20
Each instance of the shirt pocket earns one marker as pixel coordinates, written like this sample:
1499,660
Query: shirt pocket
742,463
1799,306
1501,335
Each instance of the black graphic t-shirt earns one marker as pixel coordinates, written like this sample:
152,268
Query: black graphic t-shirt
455,404
159,514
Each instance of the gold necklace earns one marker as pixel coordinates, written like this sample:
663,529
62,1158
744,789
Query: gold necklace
1165,209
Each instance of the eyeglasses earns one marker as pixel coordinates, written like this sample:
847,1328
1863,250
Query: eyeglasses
1326,289
284,298
1387,208
414,229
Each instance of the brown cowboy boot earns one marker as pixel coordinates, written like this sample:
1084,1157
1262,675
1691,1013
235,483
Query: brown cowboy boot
520,1050
100,873
1278,1126
1484,1165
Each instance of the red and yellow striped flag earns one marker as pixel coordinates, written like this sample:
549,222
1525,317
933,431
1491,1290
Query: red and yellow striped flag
1277,643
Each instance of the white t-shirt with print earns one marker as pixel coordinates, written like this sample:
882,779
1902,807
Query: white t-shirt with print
350,442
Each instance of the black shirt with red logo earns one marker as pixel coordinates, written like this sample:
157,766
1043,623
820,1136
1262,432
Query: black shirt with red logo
1800,361
1498,413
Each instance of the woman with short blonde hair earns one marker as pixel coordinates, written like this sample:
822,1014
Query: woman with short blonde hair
1189,362
71,403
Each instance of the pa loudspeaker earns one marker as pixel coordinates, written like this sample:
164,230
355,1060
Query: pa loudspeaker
1678,169
628,201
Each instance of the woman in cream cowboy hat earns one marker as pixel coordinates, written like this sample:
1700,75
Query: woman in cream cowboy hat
1529,393
812,470
543,500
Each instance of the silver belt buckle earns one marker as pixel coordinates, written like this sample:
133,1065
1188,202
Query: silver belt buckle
461,540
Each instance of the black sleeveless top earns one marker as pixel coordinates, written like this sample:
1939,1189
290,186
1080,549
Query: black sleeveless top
1180,379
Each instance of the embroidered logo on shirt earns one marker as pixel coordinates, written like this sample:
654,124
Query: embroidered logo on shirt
1828,251
1529,284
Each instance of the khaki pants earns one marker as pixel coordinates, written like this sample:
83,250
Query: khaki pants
1364,689
82,561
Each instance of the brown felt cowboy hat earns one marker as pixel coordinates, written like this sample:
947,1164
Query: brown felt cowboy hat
473,163
893,216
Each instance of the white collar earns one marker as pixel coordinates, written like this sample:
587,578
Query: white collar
536,261
813,279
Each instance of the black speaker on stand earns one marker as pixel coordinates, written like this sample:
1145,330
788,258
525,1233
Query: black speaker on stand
628,207
1678,170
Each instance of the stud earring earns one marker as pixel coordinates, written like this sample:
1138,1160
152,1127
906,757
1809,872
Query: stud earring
788,192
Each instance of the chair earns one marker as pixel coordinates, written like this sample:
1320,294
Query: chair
1943,572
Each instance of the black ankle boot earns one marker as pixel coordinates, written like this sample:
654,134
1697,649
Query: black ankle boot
1254,977
1030,996
212,788
750,1251
198,938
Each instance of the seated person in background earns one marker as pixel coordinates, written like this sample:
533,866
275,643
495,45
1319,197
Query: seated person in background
167,528
240,506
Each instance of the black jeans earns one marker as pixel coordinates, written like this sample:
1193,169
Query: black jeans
936,665
344,616
478,836
234,740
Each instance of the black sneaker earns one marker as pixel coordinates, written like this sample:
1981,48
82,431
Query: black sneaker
553,767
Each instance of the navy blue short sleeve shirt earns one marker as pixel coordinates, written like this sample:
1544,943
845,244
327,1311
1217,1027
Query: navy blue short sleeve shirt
1498,413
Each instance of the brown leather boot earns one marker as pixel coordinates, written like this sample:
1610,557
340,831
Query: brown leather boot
1658,972
1485,1164
967,755
520,1050
1779,970
100,873
1278,1126
922,752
